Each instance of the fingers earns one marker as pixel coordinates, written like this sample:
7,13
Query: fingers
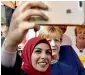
24,13
29,13
43,6
25,26
28,5
39,5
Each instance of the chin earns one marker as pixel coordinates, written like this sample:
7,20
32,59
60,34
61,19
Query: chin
53,61
42,70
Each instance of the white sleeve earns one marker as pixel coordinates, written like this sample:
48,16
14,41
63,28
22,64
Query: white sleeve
8,59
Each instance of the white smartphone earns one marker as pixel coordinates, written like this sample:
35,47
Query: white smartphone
62,12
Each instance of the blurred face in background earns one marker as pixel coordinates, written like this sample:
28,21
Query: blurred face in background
80,37
54,35
55,46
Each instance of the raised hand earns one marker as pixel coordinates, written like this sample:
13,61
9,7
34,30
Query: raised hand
20,23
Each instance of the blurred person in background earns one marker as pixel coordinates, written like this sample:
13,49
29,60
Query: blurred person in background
4,32
9,6
80,43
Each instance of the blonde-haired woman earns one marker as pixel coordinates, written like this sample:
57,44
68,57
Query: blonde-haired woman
54,35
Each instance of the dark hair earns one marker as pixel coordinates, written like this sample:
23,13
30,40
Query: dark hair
43,41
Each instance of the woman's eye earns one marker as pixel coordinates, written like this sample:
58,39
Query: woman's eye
38,51
79,32
57,40
48,53
84,32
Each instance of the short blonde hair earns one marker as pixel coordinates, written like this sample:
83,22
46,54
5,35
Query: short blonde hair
51,32
78,28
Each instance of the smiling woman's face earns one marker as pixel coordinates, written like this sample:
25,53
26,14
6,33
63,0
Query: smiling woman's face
41,57
81,36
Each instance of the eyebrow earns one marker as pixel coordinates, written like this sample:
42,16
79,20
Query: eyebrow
37,48
41,49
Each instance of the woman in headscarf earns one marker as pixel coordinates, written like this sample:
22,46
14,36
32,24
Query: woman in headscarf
36,57
19,26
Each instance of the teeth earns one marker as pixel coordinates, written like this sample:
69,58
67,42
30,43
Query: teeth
42,63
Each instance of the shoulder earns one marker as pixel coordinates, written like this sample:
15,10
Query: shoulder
66,69
9,71
62,69
63,65
15,70
23,73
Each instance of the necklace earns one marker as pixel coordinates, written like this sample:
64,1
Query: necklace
81,51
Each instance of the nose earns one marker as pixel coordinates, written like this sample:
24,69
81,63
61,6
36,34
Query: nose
52,43
83,33
43,55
